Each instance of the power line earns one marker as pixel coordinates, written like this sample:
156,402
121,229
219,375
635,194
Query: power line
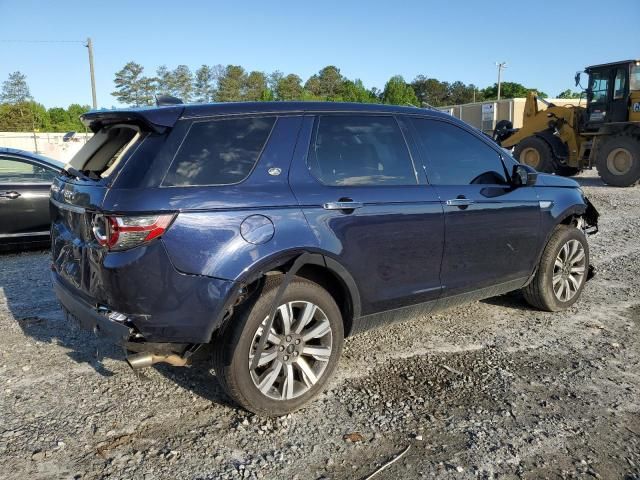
42,41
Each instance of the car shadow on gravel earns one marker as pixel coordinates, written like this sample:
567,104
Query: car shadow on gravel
513,300
198,378
33,306
590,182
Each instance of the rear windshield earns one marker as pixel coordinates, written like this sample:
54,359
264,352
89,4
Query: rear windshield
219,152
106,150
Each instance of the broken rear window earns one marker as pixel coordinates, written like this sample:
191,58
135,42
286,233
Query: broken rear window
106,149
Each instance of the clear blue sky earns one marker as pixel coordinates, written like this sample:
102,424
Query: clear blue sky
449,40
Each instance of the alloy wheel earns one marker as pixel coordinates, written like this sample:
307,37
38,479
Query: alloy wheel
296,352
569,270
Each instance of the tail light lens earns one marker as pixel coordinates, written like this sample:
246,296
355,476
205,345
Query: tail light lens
123,232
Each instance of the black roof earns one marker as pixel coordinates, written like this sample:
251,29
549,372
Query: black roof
611,64
30,155
166,116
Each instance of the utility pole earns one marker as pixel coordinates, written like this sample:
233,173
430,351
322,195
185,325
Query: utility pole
500,66
89,46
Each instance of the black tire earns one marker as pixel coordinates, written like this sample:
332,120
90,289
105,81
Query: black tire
536,153
606,164
233,343
503,130
539,292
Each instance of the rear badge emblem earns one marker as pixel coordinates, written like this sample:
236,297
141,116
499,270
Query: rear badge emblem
275,171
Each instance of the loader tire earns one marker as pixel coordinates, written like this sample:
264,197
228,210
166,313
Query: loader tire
536,153
618,160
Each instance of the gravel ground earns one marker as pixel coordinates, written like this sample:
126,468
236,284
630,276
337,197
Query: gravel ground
490,390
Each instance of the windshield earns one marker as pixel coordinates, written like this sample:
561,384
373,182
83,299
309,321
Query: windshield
599,86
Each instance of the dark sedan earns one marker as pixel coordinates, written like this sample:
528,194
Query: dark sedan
25,180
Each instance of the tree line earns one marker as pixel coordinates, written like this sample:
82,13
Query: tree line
233,83
19,112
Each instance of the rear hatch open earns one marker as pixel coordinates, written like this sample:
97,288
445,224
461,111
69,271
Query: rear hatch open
78,194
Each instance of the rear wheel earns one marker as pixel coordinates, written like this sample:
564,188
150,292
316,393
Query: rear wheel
618,160
562,271
536,153
300,353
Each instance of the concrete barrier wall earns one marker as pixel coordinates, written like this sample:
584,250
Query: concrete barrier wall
47,144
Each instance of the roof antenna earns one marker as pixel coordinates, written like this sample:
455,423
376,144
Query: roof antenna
162,100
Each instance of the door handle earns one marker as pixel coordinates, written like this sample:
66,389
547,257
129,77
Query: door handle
342,205
460,202
9,195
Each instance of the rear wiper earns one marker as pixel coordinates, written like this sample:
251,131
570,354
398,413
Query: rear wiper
72,172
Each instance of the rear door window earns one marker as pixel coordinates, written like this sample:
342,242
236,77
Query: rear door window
456,157
219,152
360,150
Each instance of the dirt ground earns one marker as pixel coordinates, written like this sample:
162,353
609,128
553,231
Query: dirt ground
490,390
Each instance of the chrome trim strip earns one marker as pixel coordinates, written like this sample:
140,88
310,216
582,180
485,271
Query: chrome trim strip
26,234
66,206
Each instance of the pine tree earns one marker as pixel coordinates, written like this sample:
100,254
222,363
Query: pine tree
132,88
15,89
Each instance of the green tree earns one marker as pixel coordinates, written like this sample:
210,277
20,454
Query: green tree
60,120
398,92
15,89
182,83
509,90
289,88
326,84
568,93
355,91
75,110
204,89
24,117
255,87
430,91
133,88
272,83
460,93
163,80
231,84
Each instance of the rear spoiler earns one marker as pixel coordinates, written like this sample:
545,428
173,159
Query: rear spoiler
156,119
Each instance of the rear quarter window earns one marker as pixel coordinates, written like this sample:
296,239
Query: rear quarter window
219,152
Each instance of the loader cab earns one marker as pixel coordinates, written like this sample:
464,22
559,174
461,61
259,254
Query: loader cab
610,91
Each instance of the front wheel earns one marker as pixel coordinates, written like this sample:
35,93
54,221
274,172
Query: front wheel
562,271
300,353
536,153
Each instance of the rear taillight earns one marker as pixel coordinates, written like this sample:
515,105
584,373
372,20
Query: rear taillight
123,232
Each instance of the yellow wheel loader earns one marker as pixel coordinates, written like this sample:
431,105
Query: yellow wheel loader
567,139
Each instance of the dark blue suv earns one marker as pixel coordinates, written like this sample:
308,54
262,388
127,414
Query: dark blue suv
275,230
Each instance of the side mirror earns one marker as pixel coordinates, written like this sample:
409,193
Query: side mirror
523,175
577,79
